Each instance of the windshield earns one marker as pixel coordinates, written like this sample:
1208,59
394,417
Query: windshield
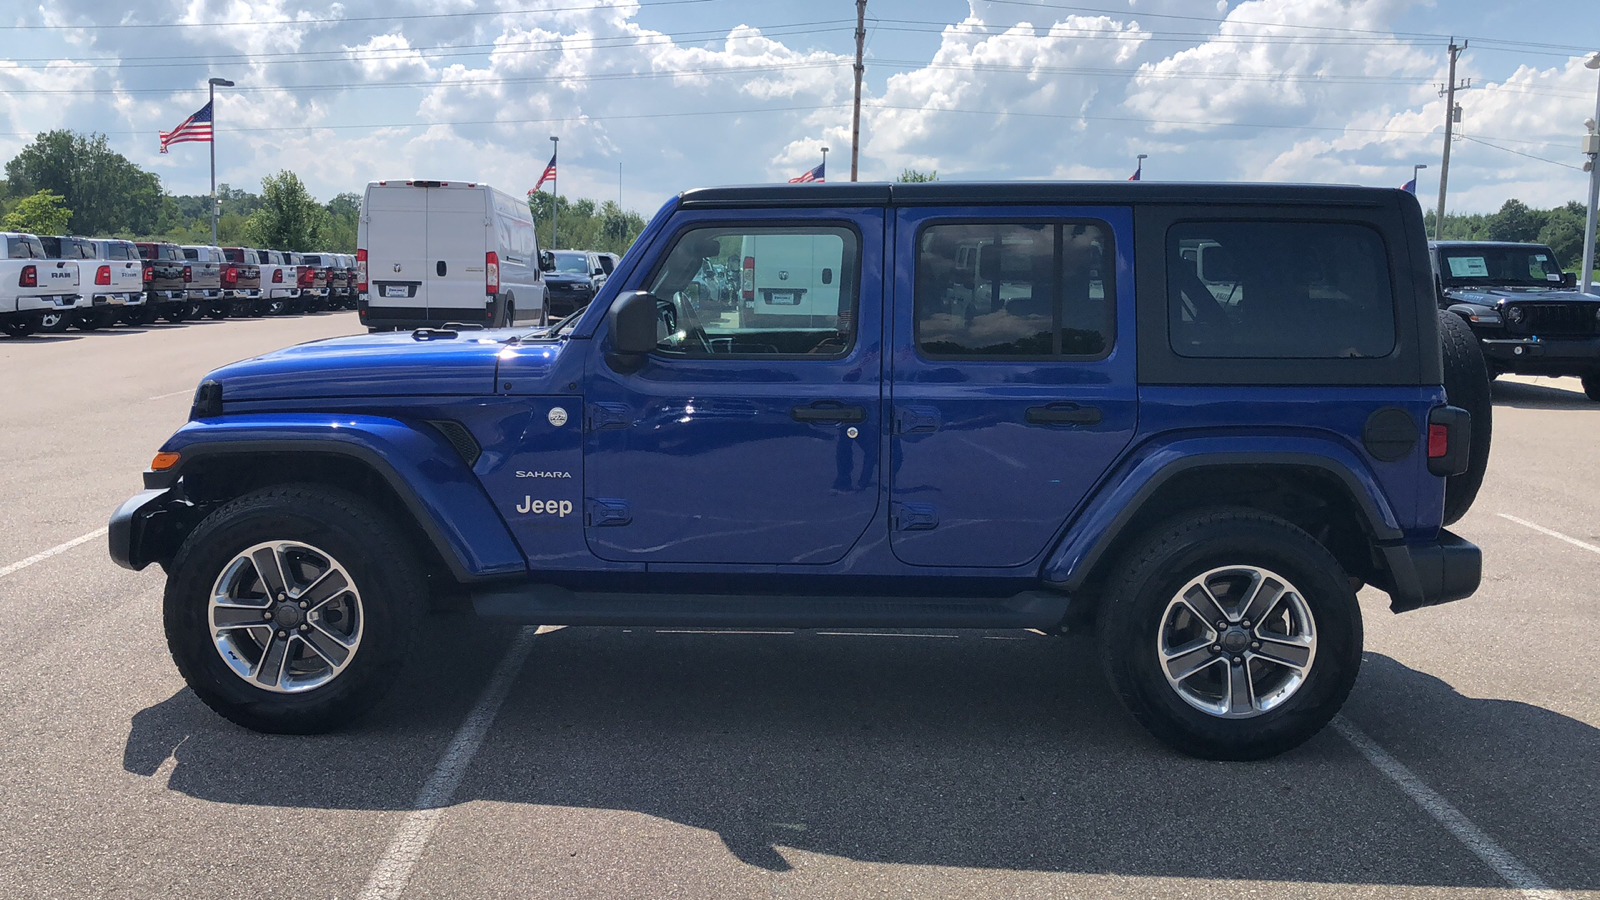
1504,266
572,263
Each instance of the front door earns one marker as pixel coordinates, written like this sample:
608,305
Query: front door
1013,383
744,443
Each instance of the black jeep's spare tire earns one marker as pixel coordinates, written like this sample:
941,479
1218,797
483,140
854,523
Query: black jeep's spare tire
1466,384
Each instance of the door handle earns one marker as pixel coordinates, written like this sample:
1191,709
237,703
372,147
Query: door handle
816,413
1064,414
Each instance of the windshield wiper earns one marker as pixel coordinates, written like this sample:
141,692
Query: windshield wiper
568,321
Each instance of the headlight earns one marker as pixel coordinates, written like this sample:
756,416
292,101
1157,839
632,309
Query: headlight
1515,315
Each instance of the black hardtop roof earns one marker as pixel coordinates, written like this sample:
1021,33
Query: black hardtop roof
1448,244
1018,193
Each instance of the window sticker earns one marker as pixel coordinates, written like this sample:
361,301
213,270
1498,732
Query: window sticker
1469,267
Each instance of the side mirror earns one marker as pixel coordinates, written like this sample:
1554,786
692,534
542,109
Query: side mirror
1569,280
632,320
547,261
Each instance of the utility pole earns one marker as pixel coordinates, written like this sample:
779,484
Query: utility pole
855,119
1452,115
1591,146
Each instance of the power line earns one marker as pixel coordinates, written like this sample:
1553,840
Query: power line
1520,153
114,26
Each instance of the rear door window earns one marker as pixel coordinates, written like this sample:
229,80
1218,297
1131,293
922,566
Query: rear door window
999,290
1278,290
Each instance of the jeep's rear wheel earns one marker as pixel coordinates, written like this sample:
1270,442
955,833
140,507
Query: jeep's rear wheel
1231,634
288,610
1466,385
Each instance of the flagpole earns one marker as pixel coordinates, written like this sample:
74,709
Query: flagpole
212,86
555,188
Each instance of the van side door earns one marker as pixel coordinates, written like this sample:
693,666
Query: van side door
1012,380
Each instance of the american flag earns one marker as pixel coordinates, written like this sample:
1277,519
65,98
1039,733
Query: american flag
807,178
196,128
549,174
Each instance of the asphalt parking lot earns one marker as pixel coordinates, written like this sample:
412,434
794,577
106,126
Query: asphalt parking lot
608,763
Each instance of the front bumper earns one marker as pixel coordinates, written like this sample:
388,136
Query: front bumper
149,521
1543,356
1450,568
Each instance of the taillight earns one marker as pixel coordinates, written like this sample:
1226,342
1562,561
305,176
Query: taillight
361,271
747,278
277,276
1438,441
102,275
1449,440
188,274
491,273
304,277
231,276
29,277
149,274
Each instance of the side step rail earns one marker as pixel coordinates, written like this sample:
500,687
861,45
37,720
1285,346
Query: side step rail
538,604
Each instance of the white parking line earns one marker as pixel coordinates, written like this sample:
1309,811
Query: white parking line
393,869
173,394
1555,534
59,548
1496,857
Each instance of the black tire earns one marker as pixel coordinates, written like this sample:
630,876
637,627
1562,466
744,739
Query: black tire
510,314
1591,386
380,561
1467,385
19,329
1150,575
55,322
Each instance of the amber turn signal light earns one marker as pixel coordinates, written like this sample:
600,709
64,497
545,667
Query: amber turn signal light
163,461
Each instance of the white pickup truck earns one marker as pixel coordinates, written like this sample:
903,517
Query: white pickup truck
32,286
78,251
118,289
280,282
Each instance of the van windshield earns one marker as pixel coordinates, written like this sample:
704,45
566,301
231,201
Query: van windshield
572,263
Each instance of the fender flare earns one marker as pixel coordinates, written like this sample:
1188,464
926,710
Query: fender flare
1123,495
444,498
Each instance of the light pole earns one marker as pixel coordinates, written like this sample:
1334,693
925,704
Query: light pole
1591,146
555,188
1414,170
212,86
1138,166
824,163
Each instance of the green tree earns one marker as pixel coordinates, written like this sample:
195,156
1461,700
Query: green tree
288,219
344,216
912,176
584,224
106,192
1516,222
40,213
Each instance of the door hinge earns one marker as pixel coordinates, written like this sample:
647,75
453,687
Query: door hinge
609,415
601,511
913,517
915,419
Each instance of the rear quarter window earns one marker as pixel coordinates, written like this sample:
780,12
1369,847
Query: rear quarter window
1278,290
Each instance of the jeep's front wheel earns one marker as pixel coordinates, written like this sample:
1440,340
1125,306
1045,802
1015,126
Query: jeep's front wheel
1231,634
288,610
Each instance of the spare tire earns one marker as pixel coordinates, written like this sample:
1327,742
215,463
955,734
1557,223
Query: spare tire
1466,385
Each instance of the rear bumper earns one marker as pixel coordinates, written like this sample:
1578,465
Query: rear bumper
47,302
410,317
1450,568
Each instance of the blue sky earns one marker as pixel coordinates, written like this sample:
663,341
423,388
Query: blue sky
719,91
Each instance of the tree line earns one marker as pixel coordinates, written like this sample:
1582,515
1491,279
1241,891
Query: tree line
68,182
1560,229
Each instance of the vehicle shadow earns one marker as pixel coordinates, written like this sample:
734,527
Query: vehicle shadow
1522,395
972,750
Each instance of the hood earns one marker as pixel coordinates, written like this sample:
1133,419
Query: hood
375,365
567,278
1491,296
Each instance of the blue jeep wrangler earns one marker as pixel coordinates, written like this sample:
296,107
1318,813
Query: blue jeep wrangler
1195,418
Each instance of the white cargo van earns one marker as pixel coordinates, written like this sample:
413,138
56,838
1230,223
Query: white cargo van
790,280
433,252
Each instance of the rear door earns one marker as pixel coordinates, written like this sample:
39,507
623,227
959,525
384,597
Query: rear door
1012,380
458,229
397,252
